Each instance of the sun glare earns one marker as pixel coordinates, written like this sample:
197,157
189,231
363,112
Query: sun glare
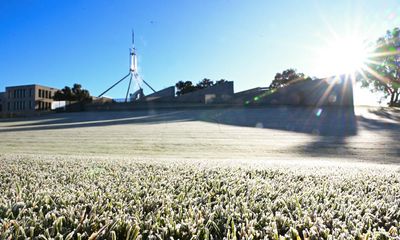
346,55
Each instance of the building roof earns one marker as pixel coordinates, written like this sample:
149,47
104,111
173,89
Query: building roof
30,85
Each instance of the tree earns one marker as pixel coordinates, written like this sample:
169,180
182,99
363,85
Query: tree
64,94
187,86
205,83
221,81
74,94
286,78
81,95
383,68
184,87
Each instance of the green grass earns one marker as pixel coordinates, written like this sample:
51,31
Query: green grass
97,198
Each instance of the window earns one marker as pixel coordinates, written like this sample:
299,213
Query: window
8,106
15,93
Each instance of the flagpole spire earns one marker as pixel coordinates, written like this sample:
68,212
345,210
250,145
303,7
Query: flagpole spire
133,37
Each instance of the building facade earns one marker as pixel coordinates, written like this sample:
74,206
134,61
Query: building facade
27,98
2,95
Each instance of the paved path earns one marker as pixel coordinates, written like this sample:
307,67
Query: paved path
273,134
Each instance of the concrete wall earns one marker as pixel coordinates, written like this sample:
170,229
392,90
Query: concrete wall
216,94
101,100
320,92
166,94
249,95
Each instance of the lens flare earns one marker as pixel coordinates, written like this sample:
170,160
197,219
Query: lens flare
318,112
343,56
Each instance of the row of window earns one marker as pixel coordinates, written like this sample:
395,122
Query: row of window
23,93
20,93
20,105
44,106
27,105
44,94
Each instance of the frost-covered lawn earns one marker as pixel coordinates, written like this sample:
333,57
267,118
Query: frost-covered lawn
78,198
207,174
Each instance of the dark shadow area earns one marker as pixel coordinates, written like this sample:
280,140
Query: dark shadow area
381,146
328,121
389,147
324,121
91,119
331,126
388,113
87,117
328,146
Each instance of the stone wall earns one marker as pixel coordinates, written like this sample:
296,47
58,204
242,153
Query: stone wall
219,93
166,94
321,92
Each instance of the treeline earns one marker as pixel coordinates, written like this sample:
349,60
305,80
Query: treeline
184,87
76,93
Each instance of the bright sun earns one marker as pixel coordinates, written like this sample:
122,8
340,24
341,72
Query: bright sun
347,56
342,56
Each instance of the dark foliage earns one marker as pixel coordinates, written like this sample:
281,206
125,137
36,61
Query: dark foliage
77,93
184,87
286,78
187,86
383,70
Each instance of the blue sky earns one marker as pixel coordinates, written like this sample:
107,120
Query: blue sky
58,43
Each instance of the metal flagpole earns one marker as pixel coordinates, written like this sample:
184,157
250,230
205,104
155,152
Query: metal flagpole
129,86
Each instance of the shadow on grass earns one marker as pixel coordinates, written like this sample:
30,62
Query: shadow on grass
316,121
331,127
327,121
95,119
